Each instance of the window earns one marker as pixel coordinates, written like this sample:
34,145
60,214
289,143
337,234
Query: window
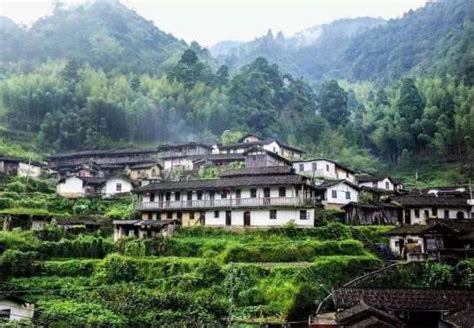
374,184
216,214
282,192
189,195
304,215
266,192
118,187
387,185
417,213
168,196
177,195
152,197
301,167
199,195
179,215
153,172
273,214
191,216
427,213
224,194
253,193
315,166
334,193
327,167
347,174
169,215
237,193
434,211
446,214
348,195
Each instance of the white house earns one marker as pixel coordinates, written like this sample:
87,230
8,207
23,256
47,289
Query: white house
324,169
18,167
377,182
15,308
76,187
251,140
115,185
417,209
252,197
337,193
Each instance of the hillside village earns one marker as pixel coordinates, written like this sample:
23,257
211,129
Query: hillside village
259,184
263,183
318,178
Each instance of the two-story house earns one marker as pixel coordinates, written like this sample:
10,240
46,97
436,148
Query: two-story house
251,197
337,193
322,168
251,140
417,209
378,182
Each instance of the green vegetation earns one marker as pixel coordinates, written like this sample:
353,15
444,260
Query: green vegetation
275,274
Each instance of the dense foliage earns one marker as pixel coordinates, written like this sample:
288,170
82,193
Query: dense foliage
184,279
436,38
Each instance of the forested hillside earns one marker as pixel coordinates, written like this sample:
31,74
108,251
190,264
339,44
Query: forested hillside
137,86
104,34
433,39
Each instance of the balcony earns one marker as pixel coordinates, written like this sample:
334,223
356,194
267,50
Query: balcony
228,203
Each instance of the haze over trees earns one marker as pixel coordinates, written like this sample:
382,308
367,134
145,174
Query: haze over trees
391,92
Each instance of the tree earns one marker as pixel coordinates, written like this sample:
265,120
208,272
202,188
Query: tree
333,103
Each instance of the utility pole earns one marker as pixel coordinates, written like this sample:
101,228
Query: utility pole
231,293
28,169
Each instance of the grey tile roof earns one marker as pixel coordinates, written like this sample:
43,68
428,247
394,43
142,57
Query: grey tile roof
236,179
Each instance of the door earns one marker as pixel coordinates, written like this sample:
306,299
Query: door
228,218
266,196
246,219
401,243
407,217
212,195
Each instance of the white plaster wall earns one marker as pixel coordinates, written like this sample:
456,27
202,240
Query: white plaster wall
70,187
322,167
341,189
273,147
172,163
110,187
261,218
344,174
18,311
25,169
396,249
439,213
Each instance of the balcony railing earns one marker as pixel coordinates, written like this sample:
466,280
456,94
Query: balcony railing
228,203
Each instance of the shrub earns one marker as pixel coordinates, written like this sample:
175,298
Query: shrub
71,268
6,202
16,187
291,251
16,263
18,240
83,246
75,314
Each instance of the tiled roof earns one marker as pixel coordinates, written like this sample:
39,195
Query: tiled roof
361,310
329,183
243,178
265,170
419,201
145,165
405,299
342,166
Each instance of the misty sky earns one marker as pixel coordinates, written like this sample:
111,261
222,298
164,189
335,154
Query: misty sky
210,21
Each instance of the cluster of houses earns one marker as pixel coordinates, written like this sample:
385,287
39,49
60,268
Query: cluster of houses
273,187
